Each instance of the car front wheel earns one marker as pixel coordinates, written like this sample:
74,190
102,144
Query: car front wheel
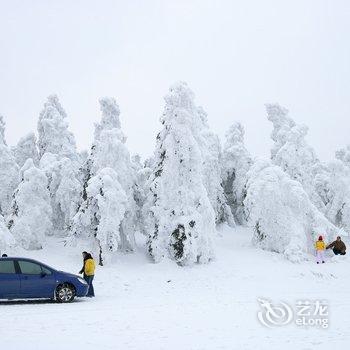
65,293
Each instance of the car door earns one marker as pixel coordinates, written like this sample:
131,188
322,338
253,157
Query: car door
9,280
36,280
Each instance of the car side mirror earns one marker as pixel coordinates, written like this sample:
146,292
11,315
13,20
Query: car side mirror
43,274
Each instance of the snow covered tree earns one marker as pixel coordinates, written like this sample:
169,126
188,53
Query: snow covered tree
284,218
26,148
61,162
210,148
282,124
344,155
8,172
321,182
236,161
109,151
30,217
181,216
64,187
333,186
291,151
109,145
7,241
54,136
67,193
100,215
140,189
110,118
2,131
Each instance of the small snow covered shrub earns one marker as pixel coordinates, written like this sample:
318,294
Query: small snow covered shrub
100,215
281,213
30,217
182,220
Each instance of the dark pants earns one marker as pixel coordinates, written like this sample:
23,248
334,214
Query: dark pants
89,279
338,252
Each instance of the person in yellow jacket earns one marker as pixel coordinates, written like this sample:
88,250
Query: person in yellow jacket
320,247
88,272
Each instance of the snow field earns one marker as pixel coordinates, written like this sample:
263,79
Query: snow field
142,305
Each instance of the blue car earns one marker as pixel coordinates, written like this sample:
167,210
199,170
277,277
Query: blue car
22,278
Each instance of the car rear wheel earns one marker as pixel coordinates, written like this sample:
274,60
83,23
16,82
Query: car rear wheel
65,293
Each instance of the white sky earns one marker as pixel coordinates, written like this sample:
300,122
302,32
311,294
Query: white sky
235,55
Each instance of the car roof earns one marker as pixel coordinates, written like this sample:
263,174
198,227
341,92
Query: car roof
17,258
25,259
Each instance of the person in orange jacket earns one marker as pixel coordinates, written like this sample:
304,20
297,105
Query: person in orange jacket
320,246
88,271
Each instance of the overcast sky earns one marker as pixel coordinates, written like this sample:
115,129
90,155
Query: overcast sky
235,55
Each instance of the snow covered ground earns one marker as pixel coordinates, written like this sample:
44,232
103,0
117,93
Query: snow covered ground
142,305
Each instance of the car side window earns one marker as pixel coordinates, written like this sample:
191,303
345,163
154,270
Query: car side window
46,271
7,266
29,268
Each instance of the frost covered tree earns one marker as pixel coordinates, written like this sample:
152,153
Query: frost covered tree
100,215
333,186
30,217
54,136
109,151
109,144
344,155
210,148
182,220
8,172
26,148
284,219
140,189
110,118
236,161
282,124
7,241
64,187
2,131
321,182
291,151
61,162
